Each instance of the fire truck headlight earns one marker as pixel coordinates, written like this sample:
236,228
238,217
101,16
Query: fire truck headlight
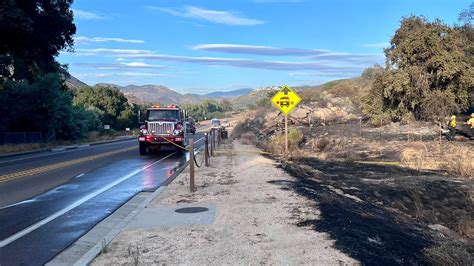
177,132
144,131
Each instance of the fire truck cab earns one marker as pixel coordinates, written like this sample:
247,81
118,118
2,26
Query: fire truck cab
163,126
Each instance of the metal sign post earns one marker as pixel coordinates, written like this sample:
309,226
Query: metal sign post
286,99
286,134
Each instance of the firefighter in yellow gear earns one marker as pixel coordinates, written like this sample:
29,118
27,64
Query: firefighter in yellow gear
452,128
470,122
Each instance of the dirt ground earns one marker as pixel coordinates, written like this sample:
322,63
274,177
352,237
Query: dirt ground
257,221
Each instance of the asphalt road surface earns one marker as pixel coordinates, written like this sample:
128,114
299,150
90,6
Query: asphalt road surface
49,200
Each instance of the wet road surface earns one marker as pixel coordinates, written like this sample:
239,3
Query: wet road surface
36,229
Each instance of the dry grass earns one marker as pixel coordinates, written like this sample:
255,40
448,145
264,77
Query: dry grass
13,148
93,136
248,138
277,143
453,158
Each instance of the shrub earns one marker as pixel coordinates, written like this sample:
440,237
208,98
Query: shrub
277,142
248,138
322,144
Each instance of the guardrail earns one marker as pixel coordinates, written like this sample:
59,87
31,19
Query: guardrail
212,141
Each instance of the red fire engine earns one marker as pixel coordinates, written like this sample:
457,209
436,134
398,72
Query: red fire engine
164,126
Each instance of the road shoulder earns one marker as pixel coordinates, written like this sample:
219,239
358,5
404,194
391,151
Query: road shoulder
251,219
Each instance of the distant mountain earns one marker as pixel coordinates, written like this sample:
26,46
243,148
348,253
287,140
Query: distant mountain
161,94
252,97
73,83
228,94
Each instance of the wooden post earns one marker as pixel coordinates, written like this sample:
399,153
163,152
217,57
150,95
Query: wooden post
440,131
206,149
212,142
192,186
286,134
214,139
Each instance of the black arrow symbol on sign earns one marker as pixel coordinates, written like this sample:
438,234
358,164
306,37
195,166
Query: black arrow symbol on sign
285,91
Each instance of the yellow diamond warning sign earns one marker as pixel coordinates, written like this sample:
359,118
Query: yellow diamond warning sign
286,99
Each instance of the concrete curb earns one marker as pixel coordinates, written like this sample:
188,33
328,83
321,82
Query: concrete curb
89,256
98,243
63,148
96,239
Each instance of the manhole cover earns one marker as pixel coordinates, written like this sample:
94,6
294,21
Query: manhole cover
191,210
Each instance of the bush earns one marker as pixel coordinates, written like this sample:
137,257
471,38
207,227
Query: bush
428,74
43,105
277,142
322,144
206,110
248,138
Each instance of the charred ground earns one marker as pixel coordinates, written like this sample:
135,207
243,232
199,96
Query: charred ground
387,214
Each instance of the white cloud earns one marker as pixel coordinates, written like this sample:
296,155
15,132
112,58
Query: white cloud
106,51
312,54
83,39
376,45
120,74
214,16
86,15
257,50
320,60
122,65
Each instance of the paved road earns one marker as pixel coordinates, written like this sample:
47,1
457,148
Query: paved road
49,200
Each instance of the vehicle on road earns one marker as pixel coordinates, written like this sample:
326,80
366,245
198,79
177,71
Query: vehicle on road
164,126
215,123
190,127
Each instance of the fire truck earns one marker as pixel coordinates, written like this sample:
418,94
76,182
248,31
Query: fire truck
163,126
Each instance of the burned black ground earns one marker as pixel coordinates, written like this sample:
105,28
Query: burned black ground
381,214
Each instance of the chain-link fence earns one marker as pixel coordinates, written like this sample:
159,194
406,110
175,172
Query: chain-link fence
24,137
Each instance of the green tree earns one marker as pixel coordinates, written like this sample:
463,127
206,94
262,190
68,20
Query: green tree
226,105
427,67
205,110
109,103
43,105
33,33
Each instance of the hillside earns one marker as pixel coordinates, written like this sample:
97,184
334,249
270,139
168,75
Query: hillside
228,94
164,95
73,83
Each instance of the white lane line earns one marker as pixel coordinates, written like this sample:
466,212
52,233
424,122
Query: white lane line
37,225
201,139
66,151
18,203
80,175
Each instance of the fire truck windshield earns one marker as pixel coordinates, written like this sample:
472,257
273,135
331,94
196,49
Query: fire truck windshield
156,115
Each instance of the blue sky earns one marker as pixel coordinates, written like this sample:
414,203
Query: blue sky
202,46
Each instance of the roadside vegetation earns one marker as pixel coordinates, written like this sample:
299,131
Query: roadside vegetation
429,72
34,91
208,109
370,151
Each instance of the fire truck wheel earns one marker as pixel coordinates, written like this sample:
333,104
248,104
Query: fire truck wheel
143,148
